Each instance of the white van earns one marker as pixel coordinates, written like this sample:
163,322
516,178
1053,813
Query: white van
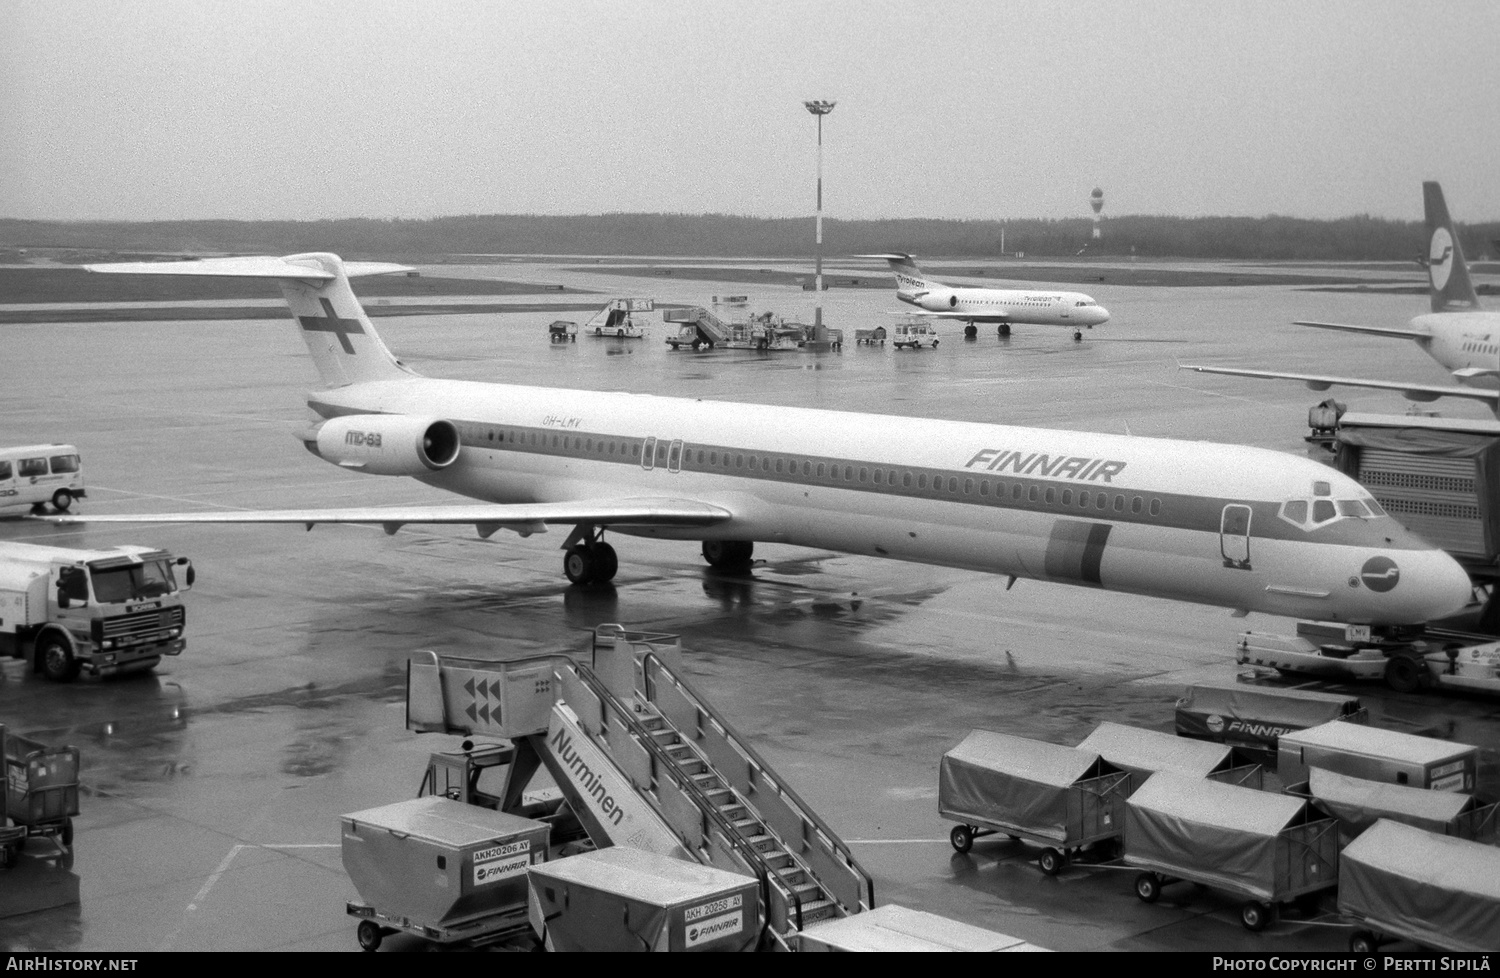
31,476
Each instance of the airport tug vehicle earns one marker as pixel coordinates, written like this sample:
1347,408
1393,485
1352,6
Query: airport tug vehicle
112,610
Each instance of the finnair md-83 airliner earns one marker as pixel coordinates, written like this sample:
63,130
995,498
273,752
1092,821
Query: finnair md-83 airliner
1039,307
1237,527
1457,333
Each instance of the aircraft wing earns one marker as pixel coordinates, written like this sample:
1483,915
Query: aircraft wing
524,518
1405,334
247,267
1412,392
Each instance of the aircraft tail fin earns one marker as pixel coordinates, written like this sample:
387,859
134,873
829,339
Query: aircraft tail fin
343,343
909,278
1452,290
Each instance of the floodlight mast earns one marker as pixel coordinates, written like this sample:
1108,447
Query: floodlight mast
819,109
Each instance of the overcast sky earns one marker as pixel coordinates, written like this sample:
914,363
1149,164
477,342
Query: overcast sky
313,108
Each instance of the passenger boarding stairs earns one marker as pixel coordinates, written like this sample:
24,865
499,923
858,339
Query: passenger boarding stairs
699,790
711,329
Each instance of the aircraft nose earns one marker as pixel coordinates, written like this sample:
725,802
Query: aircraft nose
1101,316
1439,586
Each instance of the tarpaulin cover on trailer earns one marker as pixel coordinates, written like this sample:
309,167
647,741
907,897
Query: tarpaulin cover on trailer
1435,890
996,777
1358,803
1209,832
1202,708
1144,752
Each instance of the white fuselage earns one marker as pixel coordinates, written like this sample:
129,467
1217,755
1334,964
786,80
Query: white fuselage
1467,343
1037,307
1191,521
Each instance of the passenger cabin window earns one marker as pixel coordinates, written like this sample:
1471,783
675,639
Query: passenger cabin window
31,466
5,470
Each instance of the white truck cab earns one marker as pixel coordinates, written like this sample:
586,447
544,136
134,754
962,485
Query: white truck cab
117,609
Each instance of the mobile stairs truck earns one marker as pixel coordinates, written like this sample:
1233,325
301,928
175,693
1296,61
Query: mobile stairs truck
639,758
112,610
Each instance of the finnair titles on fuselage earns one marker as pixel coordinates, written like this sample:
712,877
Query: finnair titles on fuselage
1237,527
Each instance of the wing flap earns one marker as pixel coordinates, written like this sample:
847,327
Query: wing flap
526,517
1318,382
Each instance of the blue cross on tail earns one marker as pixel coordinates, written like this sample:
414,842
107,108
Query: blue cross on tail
330,322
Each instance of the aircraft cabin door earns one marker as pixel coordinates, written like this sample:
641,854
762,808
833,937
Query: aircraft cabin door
1234,536
648,454
674,456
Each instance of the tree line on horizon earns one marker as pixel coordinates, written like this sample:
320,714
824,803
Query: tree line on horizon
1356,238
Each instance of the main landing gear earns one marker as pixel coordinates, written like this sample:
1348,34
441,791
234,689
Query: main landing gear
970,331
1003,330
728,554
588,559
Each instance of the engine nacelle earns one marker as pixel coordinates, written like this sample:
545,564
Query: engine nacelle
389,444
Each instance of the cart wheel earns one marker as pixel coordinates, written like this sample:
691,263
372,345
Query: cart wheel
1051,861
1148,887
67,833
369,935
962,838
1255,915
1363,942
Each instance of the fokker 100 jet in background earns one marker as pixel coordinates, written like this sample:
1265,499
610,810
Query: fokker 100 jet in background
1457,333
1236,527
974,304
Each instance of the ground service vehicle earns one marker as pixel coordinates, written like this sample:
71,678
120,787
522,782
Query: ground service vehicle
31,476
117,609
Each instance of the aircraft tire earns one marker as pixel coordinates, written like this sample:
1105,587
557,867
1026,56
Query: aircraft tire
62,499
1003,329
579,565
971,331
728,554
1077,336
368,935
606,563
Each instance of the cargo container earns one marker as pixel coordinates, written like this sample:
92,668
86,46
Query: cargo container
1253,717
439,869
1376,754
622,899
1143,752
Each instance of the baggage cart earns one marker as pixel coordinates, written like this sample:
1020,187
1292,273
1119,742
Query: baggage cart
1253,717
1398,882
41,789
1376,754
1268,848
1358,804
1061,798
622,899
892,927
1142,753
12,837
441,870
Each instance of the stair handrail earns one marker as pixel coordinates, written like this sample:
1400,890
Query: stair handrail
650,658
763,869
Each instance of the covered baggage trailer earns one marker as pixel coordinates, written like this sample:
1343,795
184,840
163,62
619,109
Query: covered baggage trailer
1062,798
1253,717
1376,754
440,869
622,899
1359,804
12,837
1143,752
892,927
41,788
1268,848
1405,883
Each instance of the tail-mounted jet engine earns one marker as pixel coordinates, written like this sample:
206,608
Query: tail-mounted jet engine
387,444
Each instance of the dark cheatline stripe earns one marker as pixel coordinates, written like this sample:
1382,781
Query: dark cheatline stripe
1075,550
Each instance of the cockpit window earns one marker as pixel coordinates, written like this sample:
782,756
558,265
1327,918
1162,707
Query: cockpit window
1308,514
